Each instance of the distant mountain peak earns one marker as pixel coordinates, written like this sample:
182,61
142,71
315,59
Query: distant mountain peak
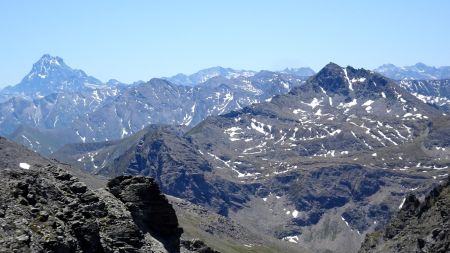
45,65
347,80
48,75
333,78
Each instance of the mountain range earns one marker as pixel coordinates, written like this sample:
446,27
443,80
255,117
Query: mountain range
322,166
116,110
55,100
419,71
228,73
284,161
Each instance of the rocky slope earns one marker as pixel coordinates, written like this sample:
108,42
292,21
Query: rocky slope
163,153
434,92
33,122
321,166
420,226
44,208
223,233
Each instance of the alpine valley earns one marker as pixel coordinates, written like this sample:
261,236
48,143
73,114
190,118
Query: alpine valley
250,161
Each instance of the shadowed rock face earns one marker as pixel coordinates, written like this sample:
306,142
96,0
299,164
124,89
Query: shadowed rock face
418,227
149,208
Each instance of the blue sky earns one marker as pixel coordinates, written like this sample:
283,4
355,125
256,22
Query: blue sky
133,40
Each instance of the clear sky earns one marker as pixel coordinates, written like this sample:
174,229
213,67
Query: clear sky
137,40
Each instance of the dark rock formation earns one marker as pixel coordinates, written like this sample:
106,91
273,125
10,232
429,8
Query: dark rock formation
149,208
418,227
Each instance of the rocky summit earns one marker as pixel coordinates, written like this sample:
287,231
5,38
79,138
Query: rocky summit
45,208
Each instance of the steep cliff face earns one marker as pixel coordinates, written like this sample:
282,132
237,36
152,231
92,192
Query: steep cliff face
418,227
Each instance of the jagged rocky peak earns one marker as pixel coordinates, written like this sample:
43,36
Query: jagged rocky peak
48,59
46,65
49,75
346,81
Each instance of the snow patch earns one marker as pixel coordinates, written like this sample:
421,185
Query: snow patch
24,166
401,204
293,239
348,80
314,103
368,102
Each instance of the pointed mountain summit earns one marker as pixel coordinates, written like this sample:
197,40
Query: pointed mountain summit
336,79
46,65
48,75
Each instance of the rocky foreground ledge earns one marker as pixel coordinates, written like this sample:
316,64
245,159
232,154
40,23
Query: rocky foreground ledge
420,226
46,209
